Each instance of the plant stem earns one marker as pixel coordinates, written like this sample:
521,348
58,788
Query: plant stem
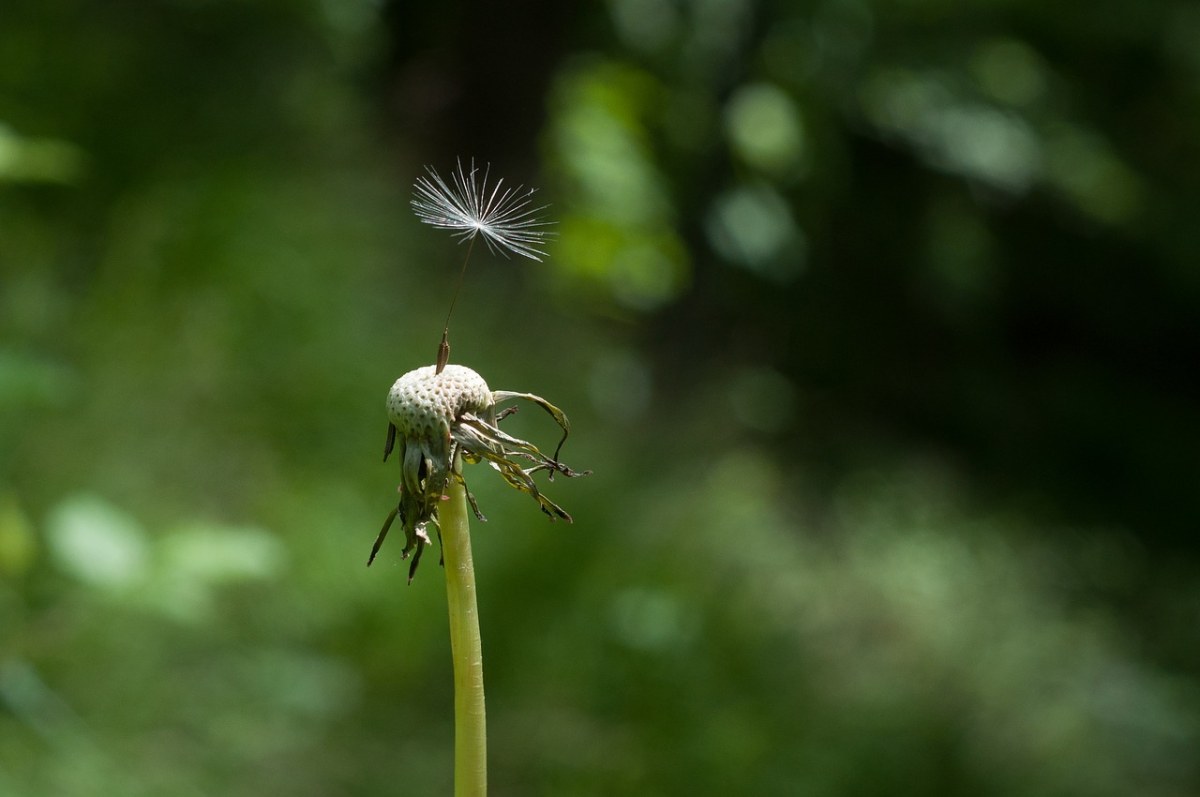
470,719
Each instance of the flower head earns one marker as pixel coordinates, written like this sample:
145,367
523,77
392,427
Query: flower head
469,207
440,419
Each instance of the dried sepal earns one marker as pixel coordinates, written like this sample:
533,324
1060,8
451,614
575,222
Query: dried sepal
558,415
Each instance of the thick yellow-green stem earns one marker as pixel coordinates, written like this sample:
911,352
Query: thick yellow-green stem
470,719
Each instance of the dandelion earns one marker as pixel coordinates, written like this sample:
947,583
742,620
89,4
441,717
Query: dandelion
505,217
440,419
443,415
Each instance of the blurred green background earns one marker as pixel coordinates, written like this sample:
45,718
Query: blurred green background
877,321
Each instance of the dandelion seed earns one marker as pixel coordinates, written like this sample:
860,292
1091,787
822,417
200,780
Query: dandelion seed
505,217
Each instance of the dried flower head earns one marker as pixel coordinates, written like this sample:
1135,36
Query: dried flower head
439,420
504,217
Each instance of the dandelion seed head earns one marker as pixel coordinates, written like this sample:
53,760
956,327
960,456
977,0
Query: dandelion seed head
442,419
424,403
505,218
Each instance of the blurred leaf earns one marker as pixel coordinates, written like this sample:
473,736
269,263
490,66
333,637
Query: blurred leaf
98,543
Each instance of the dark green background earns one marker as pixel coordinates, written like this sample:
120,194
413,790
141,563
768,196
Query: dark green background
876,321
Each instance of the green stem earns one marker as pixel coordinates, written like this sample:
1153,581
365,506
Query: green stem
470,719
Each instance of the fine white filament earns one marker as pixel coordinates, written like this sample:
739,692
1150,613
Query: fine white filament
467,207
